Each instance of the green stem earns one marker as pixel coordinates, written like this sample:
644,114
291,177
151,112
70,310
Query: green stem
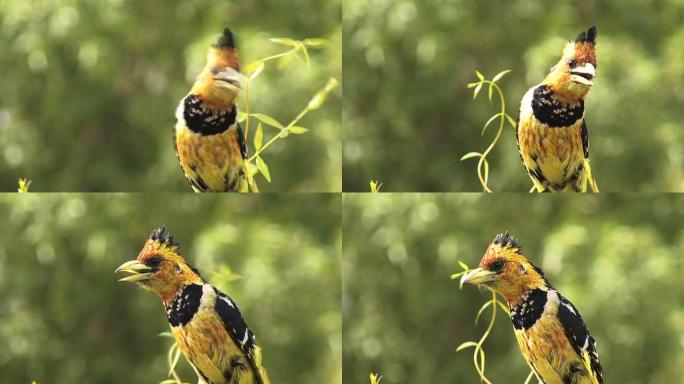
479,351
278,136
502,119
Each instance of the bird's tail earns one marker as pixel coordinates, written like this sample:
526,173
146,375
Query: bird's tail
262,376
590,179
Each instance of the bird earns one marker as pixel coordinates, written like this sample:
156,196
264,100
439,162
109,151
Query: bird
550,331
209,141
206,323
552,135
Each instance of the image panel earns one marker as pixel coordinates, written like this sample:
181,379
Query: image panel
614,260
418,95
274,262
111,96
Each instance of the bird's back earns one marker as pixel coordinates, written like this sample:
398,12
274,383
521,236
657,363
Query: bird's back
553,343
216,339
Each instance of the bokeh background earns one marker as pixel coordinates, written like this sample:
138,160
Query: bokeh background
65,318
617,257
89,89
409,116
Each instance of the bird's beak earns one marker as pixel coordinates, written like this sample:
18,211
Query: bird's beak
138,271
478,276
583,74
229,78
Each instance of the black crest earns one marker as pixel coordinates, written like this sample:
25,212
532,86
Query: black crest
163,237
589,36
506,240
227,40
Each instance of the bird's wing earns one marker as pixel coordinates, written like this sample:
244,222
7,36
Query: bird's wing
578,335
585,139
241,140
236,327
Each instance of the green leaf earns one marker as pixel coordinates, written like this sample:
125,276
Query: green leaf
258,137
511,121
241,116
256,71
252,169
316,42
500,75
470,155
284,41
297,130
263,168
473,85
491,92
477,90
466,344
268,120
457,275
479,75
305,52
463,265
317,101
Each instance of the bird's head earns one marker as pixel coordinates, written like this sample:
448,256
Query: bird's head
505,270
220,81
574,74
159,267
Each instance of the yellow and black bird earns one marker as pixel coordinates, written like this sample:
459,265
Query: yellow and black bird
207,324
552,135
550,331
209,141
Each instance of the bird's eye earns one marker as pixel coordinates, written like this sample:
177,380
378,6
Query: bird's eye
497,265
572,63
153,261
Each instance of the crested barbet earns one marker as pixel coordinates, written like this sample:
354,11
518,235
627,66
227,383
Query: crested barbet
209,141
549,329
552,135
207,324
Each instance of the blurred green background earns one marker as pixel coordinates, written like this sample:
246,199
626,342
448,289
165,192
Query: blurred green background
409,116
618,258
90,89
66,319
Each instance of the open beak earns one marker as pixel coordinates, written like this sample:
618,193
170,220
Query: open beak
583,74
138,271
478,276
229,78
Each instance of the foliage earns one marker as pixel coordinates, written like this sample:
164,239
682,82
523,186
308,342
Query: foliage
24,185
375,186
90,89
614,255
69,321
502,116
375,378
409,118
298,49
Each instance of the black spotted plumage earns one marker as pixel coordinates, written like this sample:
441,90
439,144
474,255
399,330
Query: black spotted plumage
184,305
529,309
207,121
548,110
